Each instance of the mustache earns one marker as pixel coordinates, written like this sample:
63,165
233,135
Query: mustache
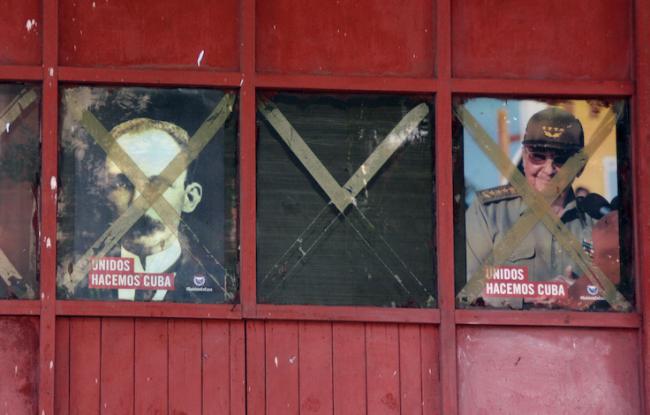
144,226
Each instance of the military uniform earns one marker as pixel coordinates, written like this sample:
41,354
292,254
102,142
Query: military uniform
491,216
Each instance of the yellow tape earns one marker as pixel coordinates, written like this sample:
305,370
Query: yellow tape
539,209
150,193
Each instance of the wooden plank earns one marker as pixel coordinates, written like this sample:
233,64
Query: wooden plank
410,359
282,361
642,195
382,354
248,160
237,368
347,313
431,402
84,365
216,367
349,368
151,342
185,367
117,358
256,367
62,367
316,394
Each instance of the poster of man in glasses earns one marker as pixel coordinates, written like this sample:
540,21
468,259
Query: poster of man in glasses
147,201
544,206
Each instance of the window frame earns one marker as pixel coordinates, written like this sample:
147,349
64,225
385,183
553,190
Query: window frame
247,81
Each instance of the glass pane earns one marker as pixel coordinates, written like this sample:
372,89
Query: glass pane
148,201
345,202
20,163
543,215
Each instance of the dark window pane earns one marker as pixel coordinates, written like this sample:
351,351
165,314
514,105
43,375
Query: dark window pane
19,178
545,205
345,200
148,202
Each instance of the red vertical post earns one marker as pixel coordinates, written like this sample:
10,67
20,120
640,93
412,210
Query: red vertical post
49,133
247,157
641,112
445,212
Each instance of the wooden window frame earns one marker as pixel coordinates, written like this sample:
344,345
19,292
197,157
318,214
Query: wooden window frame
444,86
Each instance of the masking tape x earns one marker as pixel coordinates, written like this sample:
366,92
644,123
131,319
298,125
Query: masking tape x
539,209
150,193
340,196
12,278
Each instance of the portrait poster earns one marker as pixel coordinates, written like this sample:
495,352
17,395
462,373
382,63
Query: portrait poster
148,195
543,198
19,190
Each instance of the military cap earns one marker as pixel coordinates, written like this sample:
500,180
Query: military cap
555,128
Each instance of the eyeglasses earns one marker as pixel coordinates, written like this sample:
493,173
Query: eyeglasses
538,157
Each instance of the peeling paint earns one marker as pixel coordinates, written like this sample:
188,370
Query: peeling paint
48,243
292,359
200,58
275,360
53,183
30,24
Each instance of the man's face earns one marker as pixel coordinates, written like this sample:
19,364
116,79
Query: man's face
541,164
151,150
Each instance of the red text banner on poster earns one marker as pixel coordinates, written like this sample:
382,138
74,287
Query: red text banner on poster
113,273
512,282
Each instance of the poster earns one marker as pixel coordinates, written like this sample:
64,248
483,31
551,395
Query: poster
543,205
148,200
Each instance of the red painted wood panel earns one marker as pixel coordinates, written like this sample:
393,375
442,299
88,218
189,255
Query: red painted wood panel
430,374
149,33
237,368
151,366
316,394
256,367
349,368
185,395
85,334
21,26
551,39
282,358
117,366
548,370
216,367
410,369
62,367
18,365
365,37
383,378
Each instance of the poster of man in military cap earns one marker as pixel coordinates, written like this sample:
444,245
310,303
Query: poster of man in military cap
148,195
542,204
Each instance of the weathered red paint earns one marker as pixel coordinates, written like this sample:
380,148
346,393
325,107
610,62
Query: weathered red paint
117,383
150,33
150,366
20,32
548,370
351,37
19,365
551,39
516,47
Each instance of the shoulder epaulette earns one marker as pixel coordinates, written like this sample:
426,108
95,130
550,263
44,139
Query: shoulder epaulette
496,194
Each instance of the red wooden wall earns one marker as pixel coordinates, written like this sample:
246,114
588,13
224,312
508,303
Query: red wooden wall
87,357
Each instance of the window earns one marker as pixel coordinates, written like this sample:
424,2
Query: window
540,211
148,201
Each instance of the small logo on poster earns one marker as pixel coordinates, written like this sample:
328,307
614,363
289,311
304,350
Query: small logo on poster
199,280
592,290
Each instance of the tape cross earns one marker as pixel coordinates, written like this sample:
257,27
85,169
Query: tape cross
150,193
8,272
340,196
539,209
